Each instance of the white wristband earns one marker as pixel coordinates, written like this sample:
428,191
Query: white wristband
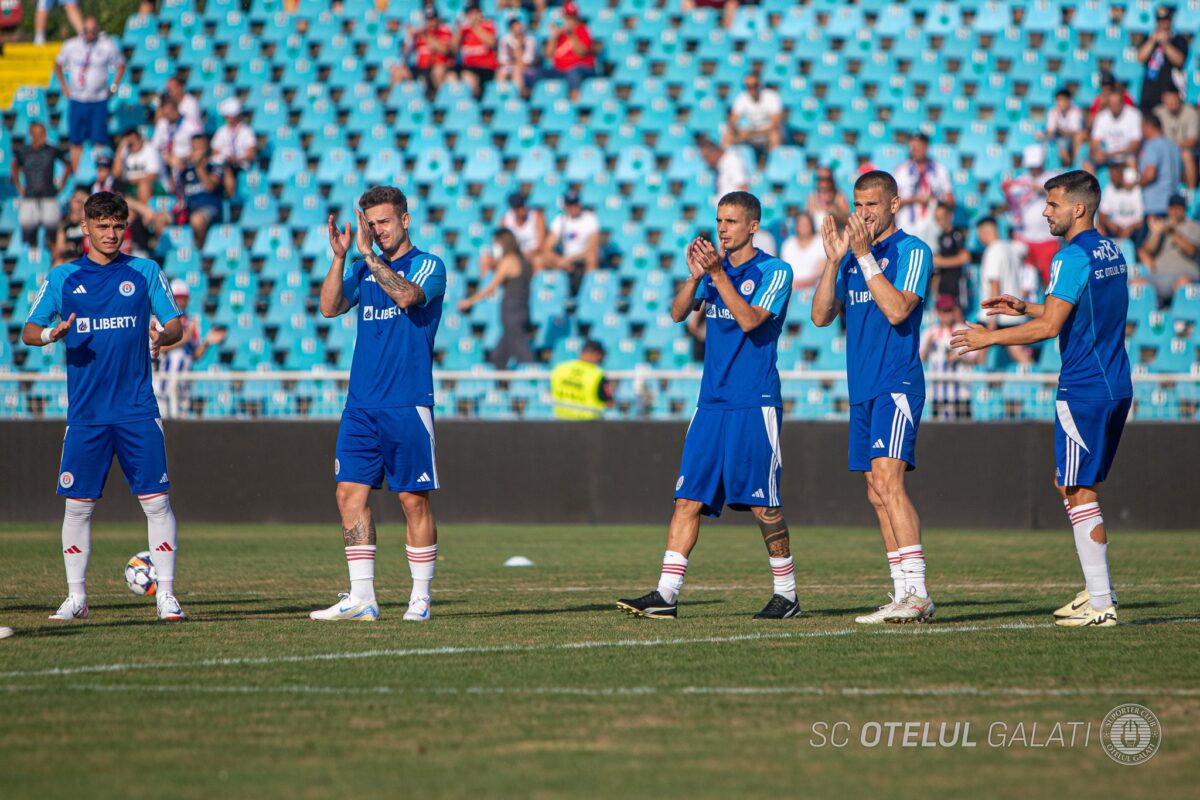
868,265
45,336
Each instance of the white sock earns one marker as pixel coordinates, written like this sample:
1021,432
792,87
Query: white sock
421,563
361,560
670,582
897,573
77,543
163,539
1093,556
912,561
784,574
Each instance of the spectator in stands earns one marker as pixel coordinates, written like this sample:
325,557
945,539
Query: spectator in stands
528,225
234,144
200,185
756,118
173,135
951,399
180,357
827,200
89,69
1116,132
1160,167
42,13
578,388
570,49
805,252
518,57
1164,53
104,180
949,257
1172,250
138,165
1122,211
729,168
187,104
430,49
1108,86
69,241
33,177
475,42
1005,271
1026,198
1064,127
923,183
513,272
574,241
1181,124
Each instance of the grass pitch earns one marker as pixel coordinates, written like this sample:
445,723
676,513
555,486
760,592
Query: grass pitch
528,682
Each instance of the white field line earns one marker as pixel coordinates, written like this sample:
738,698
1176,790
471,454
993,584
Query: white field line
210,663
615,691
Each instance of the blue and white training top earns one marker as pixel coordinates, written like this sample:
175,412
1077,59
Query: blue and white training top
393,354
108,347
740,368
1091,274
882,358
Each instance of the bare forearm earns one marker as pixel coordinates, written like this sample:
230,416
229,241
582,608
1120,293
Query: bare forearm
1032,332
171,333
333,301
824,304
685,300
891,301
747,317
403,292
31,335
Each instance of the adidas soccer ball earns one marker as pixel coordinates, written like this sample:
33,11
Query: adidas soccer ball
140,575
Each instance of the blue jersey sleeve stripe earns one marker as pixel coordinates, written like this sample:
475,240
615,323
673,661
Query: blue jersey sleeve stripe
777,286
162,281
426,269
916,260
768,297
37,301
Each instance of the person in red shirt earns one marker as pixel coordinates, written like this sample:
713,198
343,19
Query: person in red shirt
570,49
477,48
429,53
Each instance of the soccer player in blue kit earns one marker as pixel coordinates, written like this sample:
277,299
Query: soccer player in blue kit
731,454
386,430
880,284
1086,306
104,301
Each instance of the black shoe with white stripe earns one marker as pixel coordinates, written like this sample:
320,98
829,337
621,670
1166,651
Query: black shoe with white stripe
649,605
779,607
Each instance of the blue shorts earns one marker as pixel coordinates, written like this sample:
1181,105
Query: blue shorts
394,442
88,452
87,122
731,458
885,427
1086,436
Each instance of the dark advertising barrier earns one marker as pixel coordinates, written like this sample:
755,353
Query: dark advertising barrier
969,476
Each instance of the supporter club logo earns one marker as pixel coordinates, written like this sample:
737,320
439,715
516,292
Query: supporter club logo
1130,734
66,480
747,286
126,288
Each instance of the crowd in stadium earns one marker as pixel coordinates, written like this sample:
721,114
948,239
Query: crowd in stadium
180,164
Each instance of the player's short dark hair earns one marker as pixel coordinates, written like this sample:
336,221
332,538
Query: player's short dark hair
878,179
378,195
106,205
745,201
1079,185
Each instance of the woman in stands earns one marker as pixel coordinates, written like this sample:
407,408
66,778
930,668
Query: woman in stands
514,273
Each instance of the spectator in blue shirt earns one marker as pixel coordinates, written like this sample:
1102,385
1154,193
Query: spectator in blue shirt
1160,165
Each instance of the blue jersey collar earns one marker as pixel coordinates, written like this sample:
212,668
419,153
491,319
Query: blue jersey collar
85,260
889,241
1081,234
758,256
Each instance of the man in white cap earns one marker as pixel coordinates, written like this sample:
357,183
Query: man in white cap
1026,197
175,396
234,144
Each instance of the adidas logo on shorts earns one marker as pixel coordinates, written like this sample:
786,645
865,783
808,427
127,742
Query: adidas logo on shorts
424,478
758,493
163,479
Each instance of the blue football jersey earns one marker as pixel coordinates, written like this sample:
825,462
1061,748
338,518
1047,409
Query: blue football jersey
1091,274
882,358
740,368
393,354
108,346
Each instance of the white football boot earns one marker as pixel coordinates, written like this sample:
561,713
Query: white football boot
74,607
169,610
5,632
350,609
418,610
880,614
1088,617
1079,602
911,609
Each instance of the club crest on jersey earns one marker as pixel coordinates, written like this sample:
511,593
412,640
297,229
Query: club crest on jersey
883,262
679,483
747,286
66,480
337,466
126,288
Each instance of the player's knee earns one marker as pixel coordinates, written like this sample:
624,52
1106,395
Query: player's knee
155,505
350,500
688,508
414,503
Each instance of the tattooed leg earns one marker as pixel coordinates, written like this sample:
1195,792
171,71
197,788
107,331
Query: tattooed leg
774,531
362,532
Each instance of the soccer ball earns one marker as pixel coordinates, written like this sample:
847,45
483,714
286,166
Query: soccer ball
140,575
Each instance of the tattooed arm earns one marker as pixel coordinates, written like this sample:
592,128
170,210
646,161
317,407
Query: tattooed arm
403,292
